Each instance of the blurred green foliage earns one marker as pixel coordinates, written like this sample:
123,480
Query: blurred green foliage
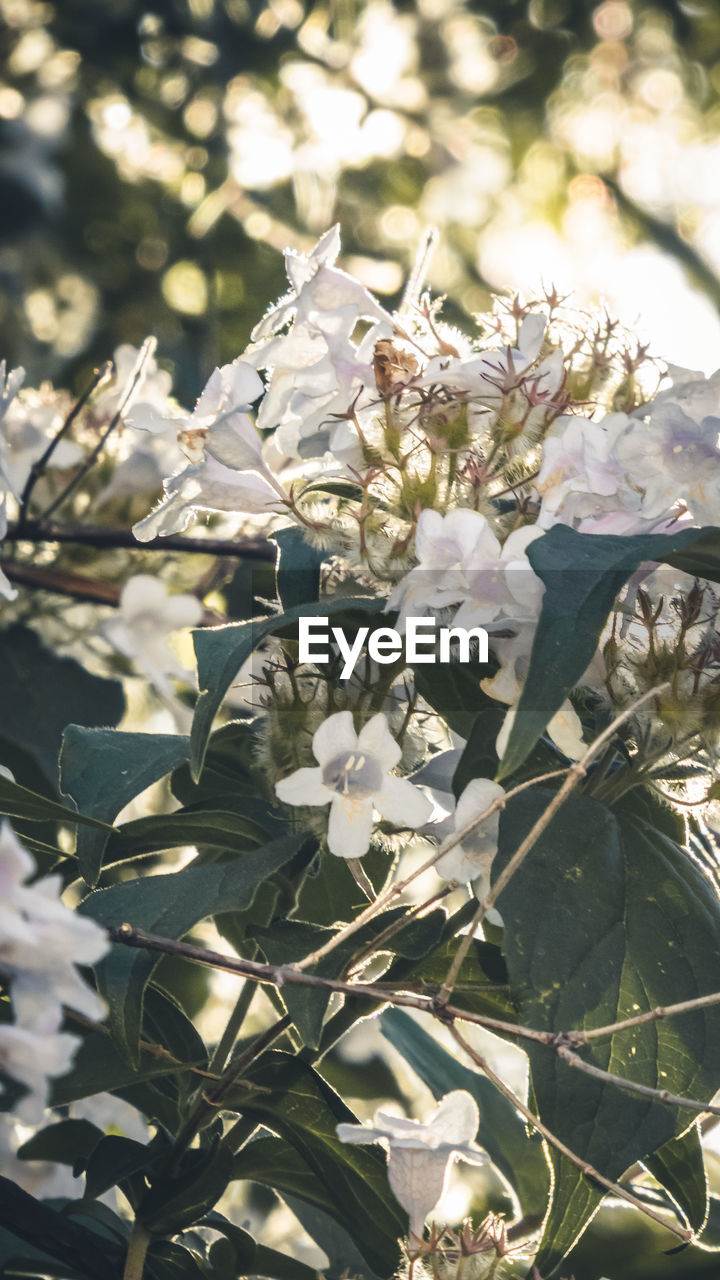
155,157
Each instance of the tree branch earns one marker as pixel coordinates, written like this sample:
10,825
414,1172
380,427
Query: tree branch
104,538
589,1170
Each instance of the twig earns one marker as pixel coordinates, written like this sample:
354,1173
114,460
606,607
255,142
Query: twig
282,975
395,890
39,467
453,973
397,926
561,1043
74,585
145,353
651,1015
646,1091
211,1100
589,1170
103,538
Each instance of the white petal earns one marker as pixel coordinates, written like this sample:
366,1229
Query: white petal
334,736
429,527
403,804
457,1118
235,443
418,1179
376,739
350,826
477,796
566,731
304,786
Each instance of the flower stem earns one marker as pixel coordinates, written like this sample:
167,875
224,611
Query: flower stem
136,1253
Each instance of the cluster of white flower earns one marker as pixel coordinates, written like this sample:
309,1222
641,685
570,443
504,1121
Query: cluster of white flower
41,941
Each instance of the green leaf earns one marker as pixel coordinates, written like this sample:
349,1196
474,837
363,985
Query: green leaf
65,1142
221,651
44,1228
303,1109
502,1133
251,1258
483,983
290,940
202,827
41,693
702,557
171,905
112,1161
101,770
170,1204
298,568
343,1257
679,1167
20,802
583,573
454,691
607,918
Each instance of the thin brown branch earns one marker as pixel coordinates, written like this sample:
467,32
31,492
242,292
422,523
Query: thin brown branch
651,1015
74,585
39,467
106,539
631,1086
395,890
282,975
589,1170
145,353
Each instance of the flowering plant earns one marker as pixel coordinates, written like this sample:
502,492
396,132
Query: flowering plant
505,839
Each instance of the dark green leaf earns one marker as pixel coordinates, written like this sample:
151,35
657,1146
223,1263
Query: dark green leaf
41,693
454,691
605,919
583,573
19,802
101,770
170,1204
290,940
45,1229
114,1159
221,651
304,1110
171,905
679,1167
298,568
251,1258
502,1133
65,1142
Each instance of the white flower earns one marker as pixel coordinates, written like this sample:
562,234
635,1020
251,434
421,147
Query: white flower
145,619
232,474
354,778
317,371
420,1155
448,548
470,861
32,1058
41,941
582,481
230,390
672,457
149,402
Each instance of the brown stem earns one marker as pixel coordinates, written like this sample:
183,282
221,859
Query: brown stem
589,1170
104,538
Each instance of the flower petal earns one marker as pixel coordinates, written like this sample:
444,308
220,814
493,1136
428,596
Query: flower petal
376,740
403,804
304,787
350,826
418,1179
334,736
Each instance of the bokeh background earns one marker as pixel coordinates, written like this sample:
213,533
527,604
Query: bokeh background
156,158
